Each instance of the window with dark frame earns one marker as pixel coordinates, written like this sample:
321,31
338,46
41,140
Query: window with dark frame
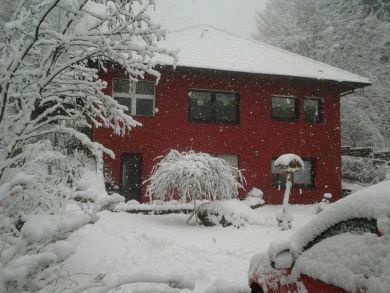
213,106
304,178
139,99
312,108
284,108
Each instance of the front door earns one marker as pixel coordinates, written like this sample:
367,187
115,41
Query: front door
131,176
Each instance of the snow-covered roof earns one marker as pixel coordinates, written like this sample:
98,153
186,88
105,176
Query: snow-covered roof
207,47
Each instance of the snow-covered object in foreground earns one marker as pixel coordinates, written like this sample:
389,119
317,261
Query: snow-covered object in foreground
226,213
346,246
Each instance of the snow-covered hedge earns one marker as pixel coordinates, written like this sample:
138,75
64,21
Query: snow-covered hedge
190,176
156,207
231,212
363,170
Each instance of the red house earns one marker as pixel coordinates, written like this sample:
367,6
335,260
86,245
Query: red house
239,99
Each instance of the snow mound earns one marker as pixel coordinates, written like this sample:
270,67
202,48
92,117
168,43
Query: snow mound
156,207
253,202
228,212
255,192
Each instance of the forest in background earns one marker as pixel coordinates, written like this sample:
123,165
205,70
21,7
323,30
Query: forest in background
350,34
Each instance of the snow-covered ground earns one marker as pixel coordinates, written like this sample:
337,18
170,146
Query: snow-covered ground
216,259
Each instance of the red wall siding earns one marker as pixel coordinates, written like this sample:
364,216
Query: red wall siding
256,139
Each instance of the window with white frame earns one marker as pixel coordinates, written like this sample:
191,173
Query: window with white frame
139,98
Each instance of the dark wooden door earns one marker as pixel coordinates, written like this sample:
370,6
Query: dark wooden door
131,176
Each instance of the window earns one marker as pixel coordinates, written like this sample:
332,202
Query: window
284,108
139,99
303,178
313,110
216,107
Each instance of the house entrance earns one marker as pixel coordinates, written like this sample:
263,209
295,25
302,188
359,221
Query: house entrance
131,176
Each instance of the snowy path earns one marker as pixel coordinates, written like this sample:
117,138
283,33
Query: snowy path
164,245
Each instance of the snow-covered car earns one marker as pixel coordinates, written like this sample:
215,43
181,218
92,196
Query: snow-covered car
345,248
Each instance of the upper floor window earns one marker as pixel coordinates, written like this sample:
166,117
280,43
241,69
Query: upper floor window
215,107
139,99
312,110
284,108
303,178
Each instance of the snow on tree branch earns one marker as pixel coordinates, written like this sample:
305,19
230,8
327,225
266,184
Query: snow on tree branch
192,176
45,77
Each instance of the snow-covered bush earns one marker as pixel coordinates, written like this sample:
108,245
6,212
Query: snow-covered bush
231,212
254,198
37,212
192,176
33,217
363,170
324,202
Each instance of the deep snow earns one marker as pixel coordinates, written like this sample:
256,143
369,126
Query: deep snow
216,259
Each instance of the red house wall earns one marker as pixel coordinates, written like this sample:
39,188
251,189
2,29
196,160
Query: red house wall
257,139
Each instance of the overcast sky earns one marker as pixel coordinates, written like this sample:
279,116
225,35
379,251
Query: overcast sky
235,16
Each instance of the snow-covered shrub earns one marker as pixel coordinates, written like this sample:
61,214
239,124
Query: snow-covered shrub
231,212
191,176
255,192
363,170
324,202
35,218
254,198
